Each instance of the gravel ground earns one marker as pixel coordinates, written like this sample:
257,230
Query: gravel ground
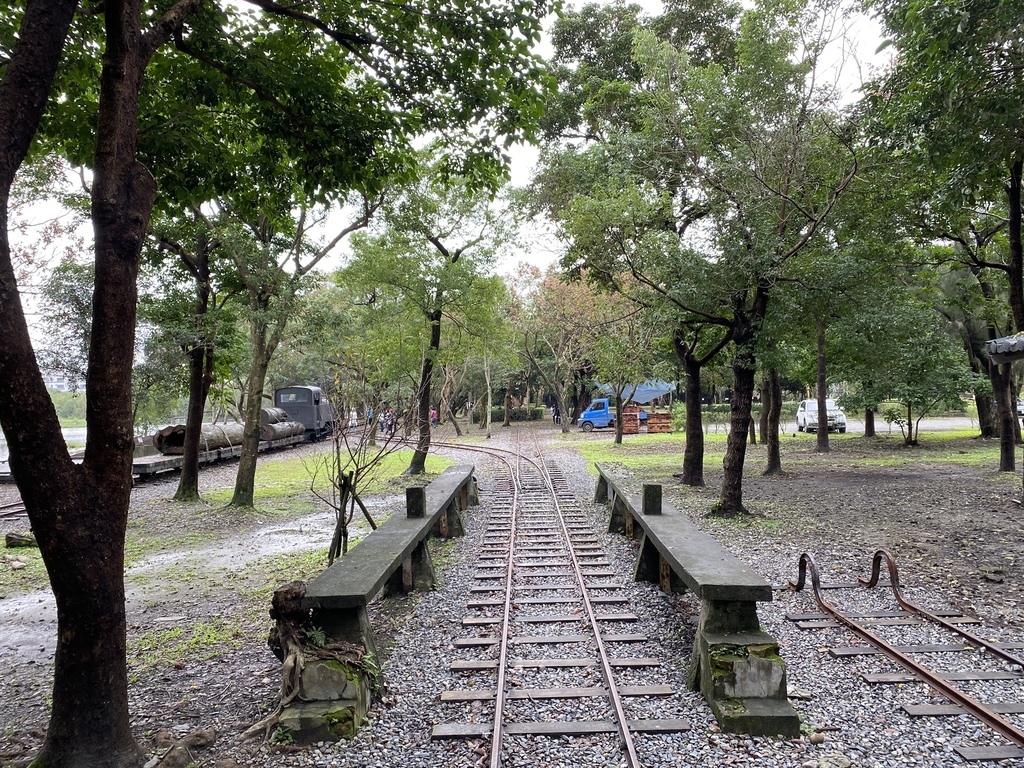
954,529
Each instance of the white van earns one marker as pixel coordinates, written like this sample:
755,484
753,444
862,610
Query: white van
807,416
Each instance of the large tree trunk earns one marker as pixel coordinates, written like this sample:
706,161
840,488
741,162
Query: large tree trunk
245,479
199,383
744,336
1015,271
79,514
419,457
869,422
772,404
693,451
822,392
1006,409
730,502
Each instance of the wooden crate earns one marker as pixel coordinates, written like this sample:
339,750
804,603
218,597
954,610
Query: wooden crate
659,422
630,424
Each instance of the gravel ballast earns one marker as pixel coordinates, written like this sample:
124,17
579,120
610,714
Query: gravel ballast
943,523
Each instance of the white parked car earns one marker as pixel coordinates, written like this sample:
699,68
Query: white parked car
807,416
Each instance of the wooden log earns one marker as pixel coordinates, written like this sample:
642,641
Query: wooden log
281,430
171,440
273,416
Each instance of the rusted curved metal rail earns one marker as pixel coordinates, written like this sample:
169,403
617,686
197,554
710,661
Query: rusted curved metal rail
909,607
512,461
970,704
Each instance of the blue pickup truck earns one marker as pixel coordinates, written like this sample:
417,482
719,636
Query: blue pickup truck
599,415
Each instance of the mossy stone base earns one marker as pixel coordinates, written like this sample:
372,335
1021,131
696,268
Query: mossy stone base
757,717
333,700
743,679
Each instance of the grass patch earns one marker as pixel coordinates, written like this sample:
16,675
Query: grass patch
653,456
175,646
283,486
21,581
256,584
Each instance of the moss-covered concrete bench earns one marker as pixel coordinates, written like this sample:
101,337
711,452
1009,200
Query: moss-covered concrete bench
735,665
334,695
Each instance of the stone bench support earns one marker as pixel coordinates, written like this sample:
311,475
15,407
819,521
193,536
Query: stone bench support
393,559
735,665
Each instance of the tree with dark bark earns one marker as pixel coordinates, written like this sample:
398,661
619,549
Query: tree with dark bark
693,355
79,512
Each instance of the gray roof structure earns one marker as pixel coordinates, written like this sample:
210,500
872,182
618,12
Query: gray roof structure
1006,348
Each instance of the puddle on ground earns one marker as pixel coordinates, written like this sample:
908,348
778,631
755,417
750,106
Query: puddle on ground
30,621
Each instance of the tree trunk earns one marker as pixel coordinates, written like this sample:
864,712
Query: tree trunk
1006,409
744,367
79,514
618,418
1015,271
245,479
988,422
730,502
418,464
693,452
766,395
508,406
822,445
486,421
752,429
869,422
772,404
200,381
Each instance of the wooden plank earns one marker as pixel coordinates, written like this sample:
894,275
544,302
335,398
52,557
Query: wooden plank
475,642
548,639
560,728
845,651
981,754
975,674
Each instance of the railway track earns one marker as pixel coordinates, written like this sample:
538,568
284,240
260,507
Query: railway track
13,509
547,624
988,662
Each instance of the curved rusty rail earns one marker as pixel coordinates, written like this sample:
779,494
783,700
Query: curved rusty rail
972,705
909,607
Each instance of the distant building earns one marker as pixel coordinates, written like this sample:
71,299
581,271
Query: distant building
60,383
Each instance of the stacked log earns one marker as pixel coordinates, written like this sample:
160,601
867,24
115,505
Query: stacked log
170,441
281,430
273,416
631,420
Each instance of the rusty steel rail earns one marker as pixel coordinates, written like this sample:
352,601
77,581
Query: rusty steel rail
970,704
909,607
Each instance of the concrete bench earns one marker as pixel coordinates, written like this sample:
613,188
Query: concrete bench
394,558
735,665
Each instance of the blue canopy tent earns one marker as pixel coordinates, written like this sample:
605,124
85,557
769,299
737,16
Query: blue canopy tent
646,392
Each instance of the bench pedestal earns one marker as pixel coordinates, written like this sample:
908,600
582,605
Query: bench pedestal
334,696
743,678
333,700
